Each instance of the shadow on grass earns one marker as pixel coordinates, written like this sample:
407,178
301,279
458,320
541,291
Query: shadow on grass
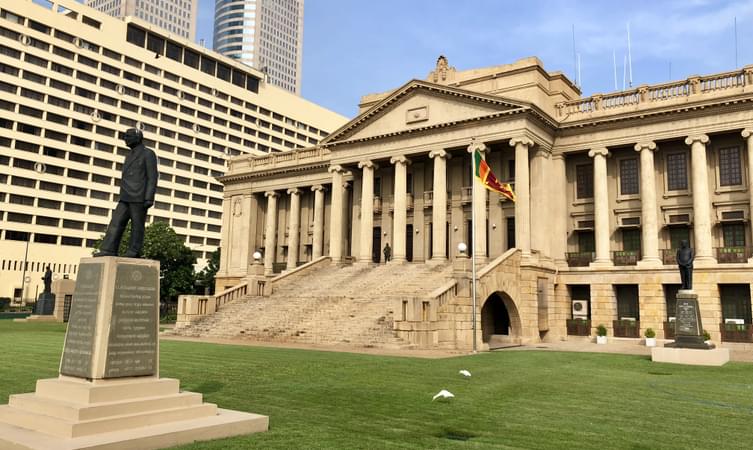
454,434
207,387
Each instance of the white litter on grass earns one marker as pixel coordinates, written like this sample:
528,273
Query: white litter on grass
465,373
443,394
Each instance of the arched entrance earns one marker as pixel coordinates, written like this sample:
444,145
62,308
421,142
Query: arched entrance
500,322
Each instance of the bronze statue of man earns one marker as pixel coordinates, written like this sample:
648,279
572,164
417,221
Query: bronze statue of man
47,280
685,257
138,184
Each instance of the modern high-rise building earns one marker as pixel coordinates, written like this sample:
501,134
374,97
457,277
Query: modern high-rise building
265,34
72,79
176,16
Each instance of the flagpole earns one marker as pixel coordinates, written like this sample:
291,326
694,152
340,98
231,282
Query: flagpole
473,245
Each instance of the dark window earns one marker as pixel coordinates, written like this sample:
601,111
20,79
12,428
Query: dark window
586,241
627,301
73,224
74,207
18,217
734,234
730,173
629,176
631,239
135,35
677,235
49,204
208,65
735,299
223,72
45,238
677,172
584,180
174,51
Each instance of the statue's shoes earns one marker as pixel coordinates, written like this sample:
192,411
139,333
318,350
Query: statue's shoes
104,253
131,255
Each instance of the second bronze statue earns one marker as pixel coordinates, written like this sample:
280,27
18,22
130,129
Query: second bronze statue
138,184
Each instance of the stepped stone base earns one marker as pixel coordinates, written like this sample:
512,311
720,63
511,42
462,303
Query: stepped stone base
146,413
38,318
690,356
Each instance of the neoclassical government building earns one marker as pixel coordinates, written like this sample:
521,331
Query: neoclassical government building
607,187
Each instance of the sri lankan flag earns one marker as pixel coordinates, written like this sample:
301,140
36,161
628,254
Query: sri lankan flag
486,177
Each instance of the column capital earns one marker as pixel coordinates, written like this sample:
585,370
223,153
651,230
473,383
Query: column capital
558,156
294,191
367,164
271,194
522,140
336,168
541,152
702,138
317,187
474,146
441,153
748,132
645,145
400,160
603,151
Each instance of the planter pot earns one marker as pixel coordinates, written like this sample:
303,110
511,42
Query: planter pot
650,342
601,339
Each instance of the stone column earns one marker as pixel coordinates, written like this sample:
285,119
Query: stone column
400,218
557,187
701,199
480,196
225,237
541,213
294,227
601,207
649,221
270,230
522,194
336,222
366,240
439,205
316,250
748,136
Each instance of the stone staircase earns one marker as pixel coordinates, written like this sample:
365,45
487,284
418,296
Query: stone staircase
328,305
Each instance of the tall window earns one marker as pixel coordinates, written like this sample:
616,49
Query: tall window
629,176
631,239
586,241
735,300
584,180
670,297
734,234
677,235
677,172
730,172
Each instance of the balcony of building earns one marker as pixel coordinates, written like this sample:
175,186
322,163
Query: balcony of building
726,255
428,198
626,328
669,256
578,327
580,259
626,257
732,331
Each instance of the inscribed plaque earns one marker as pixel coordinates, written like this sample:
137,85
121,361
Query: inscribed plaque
79,338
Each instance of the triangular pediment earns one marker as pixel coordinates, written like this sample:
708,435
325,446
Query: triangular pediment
420,105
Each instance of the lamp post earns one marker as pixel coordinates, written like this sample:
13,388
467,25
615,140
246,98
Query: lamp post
23,276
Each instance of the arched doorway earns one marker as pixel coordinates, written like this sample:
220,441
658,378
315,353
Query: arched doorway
500,322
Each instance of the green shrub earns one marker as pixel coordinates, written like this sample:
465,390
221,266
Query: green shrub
4,303
650,333
601,330
706,336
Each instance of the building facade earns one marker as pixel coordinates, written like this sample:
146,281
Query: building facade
174,16
265,34
607,188
72,82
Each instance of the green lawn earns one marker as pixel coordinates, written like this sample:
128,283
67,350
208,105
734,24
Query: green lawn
515,399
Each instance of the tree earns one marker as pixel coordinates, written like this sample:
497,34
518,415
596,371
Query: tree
205,278
162,243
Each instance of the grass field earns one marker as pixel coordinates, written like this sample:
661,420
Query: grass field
515,399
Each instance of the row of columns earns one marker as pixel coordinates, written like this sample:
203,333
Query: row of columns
649,222
294,224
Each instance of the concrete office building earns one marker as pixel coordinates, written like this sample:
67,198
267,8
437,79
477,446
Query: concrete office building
175,16
607,187
265,34
72,79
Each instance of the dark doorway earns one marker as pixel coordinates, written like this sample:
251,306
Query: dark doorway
510,232
409,242
495,318
627,302
431,240
376,245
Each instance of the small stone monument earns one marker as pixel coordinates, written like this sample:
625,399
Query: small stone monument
45,306
689,346
109,393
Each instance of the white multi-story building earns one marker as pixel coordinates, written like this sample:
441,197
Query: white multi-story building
176,16
265,34
72,80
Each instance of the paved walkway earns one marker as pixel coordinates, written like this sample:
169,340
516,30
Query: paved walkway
738,352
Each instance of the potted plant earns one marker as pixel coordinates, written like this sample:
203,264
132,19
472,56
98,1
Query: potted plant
706,337
601,334
650,337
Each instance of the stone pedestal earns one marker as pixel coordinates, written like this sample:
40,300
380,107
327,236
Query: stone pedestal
109,394
45,304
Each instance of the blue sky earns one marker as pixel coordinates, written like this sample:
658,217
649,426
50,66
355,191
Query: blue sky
355,47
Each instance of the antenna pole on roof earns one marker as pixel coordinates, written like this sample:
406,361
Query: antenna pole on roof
614,64
624,71
630,59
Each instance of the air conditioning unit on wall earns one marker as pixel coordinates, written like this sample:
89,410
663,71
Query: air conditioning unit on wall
580,309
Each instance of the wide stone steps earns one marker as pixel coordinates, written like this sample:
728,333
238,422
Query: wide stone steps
332,305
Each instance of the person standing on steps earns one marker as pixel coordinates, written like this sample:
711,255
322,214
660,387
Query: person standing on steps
387,252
